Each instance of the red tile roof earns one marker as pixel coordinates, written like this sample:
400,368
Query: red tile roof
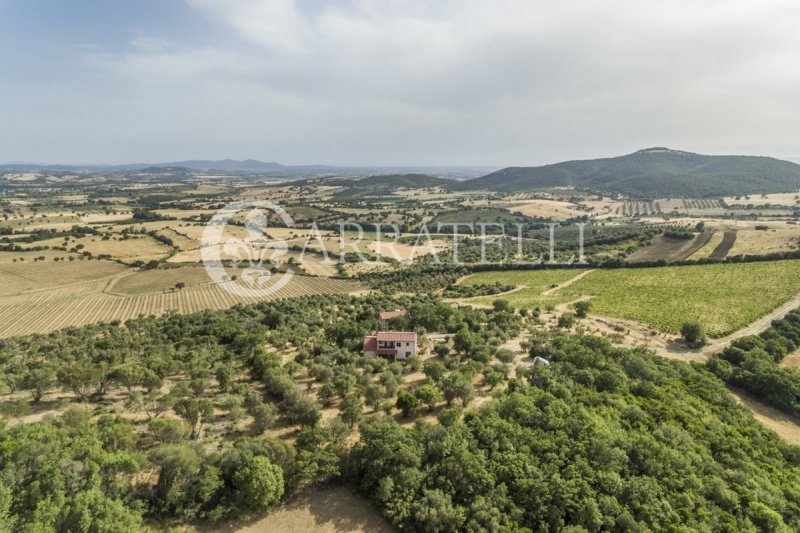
396,336
370,344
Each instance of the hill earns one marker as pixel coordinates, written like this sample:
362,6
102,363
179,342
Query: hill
404,181
231,165
651,173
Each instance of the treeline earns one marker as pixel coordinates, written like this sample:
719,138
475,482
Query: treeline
752,364
603,439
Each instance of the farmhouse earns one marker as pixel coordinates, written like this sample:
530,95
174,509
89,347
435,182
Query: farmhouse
385,316
397,344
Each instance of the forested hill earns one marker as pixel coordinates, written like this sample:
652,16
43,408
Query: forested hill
407,181
651,173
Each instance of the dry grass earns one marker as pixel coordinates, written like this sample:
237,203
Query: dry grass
85,303
786,427
20,278
779,238
543,208
710,246
325,510
788,199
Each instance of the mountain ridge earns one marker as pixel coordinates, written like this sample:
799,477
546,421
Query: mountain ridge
650,173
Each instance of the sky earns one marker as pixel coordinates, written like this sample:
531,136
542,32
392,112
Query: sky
395,82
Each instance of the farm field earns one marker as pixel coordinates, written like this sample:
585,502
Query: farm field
721,297
709,247
531,284
670,250
777,238
543,208
132,293
19,278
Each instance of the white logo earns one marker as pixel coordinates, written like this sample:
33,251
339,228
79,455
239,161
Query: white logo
237,236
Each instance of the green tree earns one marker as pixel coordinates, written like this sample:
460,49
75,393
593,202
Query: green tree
264,415
91,511
407,403
195,412
693,334
39,381
352,409
169,430
430,395
582,308
258,484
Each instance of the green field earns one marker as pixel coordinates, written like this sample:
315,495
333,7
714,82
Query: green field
531,284
723,297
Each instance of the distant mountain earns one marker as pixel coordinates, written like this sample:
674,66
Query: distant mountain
405,181
230,165
651,173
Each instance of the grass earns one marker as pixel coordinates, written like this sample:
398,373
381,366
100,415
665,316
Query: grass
530,283
723,298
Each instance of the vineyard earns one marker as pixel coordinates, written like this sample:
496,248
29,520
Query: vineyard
50,309
721,297
531,285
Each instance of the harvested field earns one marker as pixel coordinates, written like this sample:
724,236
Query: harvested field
670,250
20,278
777,238
721,251
86,303
549,209
710,246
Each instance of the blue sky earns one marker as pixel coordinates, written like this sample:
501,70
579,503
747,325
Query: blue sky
416,82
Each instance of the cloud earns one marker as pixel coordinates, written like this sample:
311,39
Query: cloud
444,81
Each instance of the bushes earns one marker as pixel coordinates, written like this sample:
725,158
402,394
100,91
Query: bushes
751,363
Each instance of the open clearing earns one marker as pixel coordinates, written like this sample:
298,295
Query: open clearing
787,427
326,510
721,297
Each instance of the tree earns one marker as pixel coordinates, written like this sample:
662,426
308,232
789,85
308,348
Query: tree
351,409
263,417
39,381
566,321
456,385
464,340
493,378
693,334
91,511
505,355
430,395
300,409
80,378
179,465
195,412
501,305
374,395
258,484
582,308
435,370
169,430
407,403
435,511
